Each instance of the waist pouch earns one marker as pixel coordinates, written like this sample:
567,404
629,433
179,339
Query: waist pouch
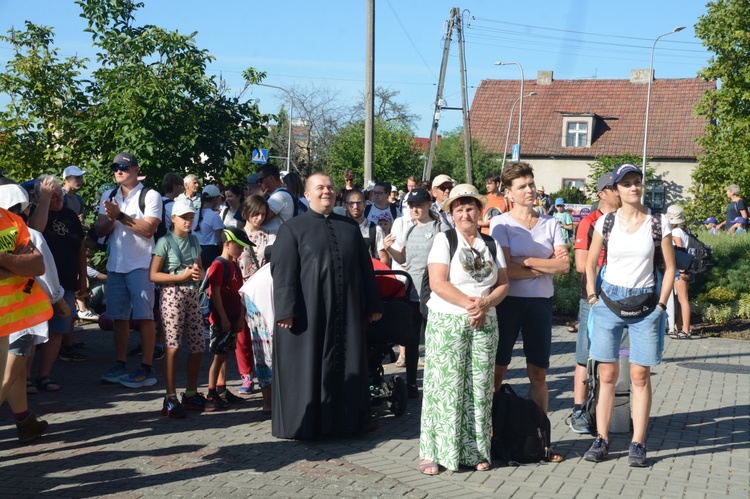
632,307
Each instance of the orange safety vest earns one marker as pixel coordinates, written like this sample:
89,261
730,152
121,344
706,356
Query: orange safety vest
23,303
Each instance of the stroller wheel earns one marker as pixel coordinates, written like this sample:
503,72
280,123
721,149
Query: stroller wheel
399,397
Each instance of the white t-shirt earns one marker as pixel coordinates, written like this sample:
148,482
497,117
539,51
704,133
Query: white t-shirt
227,217
129,251
473,272
630,257
210,223
375,213
282,204
539,242
364,229
678,233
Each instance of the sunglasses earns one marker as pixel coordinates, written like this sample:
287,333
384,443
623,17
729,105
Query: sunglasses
122,168
445,187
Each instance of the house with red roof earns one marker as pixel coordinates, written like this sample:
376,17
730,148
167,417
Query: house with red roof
567,124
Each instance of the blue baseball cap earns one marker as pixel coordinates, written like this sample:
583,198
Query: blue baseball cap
709,220
622,170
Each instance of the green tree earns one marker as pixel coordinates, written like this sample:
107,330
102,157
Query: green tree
394,156
46,100
449,159
726,144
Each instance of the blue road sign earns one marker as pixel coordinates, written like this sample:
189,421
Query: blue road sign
260,156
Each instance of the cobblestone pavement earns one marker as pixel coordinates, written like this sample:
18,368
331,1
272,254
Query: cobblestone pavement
110,441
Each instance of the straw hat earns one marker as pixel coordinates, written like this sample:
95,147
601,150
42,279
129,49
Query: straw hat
463,191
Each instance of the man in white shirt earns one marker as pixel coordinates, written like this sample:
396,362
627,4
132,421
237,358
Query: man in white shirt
131,219
441,188
354,201
380,203
281,203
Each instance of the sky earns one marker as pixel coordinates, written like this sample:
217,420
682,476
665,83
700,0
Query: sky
306,43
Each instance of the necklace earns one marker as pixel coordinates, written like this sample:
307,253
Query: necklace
524,222
626,227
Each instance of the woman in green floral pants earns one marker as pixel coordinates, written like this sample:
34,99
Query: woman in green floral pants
461,340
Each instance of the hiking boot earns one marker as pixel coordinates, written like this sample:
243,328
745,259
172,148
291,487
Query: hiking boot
114,374
578,422
215,403
247,384
195,402
231,398
598,451
637,455
138,378
70,354
173,408
31,428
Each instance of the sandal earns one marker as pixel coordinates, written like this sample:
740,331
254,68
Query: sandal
428,467
46,384
401,362
675,334
573,329
554,457
483,466
682,335
30,387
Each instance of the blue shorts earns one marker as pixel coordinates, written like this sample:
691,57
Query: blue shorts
59,324
21,346
532,317
130,290
582,340
646,333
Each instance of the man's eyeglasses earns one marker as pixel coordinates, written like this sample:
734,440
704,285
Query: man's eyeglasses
351,204
378,193
122,168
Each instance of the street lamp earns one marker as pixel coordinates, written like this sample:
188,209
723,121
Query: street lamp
510,118
648,104
291,108
520,107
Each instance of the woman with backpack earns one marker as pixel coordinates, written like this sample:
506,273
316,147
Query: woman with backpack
628,296
468,280
681,320
411,251
231,212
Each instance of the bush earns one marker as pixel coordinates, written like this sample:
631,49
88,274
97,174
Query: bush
718,296
567,290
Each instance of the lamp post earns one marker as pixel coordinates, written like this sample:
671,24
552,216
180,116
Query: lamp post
520,107
648,104
291,108
510,119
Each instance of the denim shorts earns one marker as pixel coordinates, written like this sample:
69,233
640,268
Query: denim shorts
582,340
126,290
646,333
21,345
533,318
59,324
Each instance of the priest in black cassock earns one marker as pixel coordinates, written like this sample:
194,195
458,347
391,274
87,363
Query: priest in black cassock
324,296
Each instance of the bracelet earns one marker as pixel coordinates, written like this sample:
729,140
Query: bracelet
120,216
592,295
662,306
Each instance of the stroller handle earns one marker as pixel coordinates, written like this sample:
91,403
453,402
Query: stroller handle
402,273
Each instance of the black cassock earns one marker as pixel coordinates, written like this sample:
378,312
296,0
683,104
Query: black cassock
323,279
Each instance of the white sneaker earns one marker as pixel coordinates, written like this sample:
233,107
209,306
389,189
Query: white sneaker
88,315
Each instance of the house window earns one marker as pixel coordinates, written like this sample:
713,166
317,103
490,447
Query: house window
577,134
578,183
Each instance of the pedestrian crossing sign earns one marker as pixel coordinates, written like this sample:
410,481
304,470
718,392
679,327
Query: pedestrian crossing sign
260,156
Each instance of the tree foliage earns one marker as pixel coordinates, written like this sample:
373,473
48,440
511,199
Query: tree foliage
148,94
394,156
449,159
726,144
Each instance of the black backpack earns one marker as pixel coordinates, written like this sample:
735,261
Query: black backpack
391,206
161,229
588,408
703,255
425,290
299,206
520,429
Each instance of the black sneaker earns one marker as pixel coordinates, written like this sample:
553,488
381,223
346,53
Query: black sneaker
231,398
173,408
215,403
637,455
31,428
136,351
70,354
158,353
598,451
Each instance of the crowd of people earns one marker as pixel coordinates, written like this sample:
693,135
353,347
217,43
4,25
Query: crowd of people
279,272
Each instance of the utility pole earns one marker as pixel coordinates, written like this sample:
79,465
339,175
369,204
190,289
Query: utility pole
454,22
369,92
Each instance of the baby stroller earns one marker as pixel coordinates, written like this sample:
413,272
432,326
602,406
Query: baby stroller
382,335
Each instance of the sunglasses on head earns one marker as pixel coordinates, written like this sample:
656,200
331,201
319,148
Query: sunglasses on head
122,168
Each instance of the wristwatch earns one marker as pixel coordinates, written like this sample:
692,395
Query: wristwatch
662,306
592,297
120,216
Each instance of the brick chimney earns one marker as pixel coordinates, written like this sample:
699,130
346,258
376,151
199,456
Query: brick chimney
544,78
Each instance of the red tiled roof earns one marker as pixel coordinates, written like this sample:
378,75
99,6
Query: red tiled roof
423,143
619,104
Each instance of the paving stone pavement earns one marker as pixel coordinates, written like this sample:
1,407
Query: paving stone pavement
110,441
